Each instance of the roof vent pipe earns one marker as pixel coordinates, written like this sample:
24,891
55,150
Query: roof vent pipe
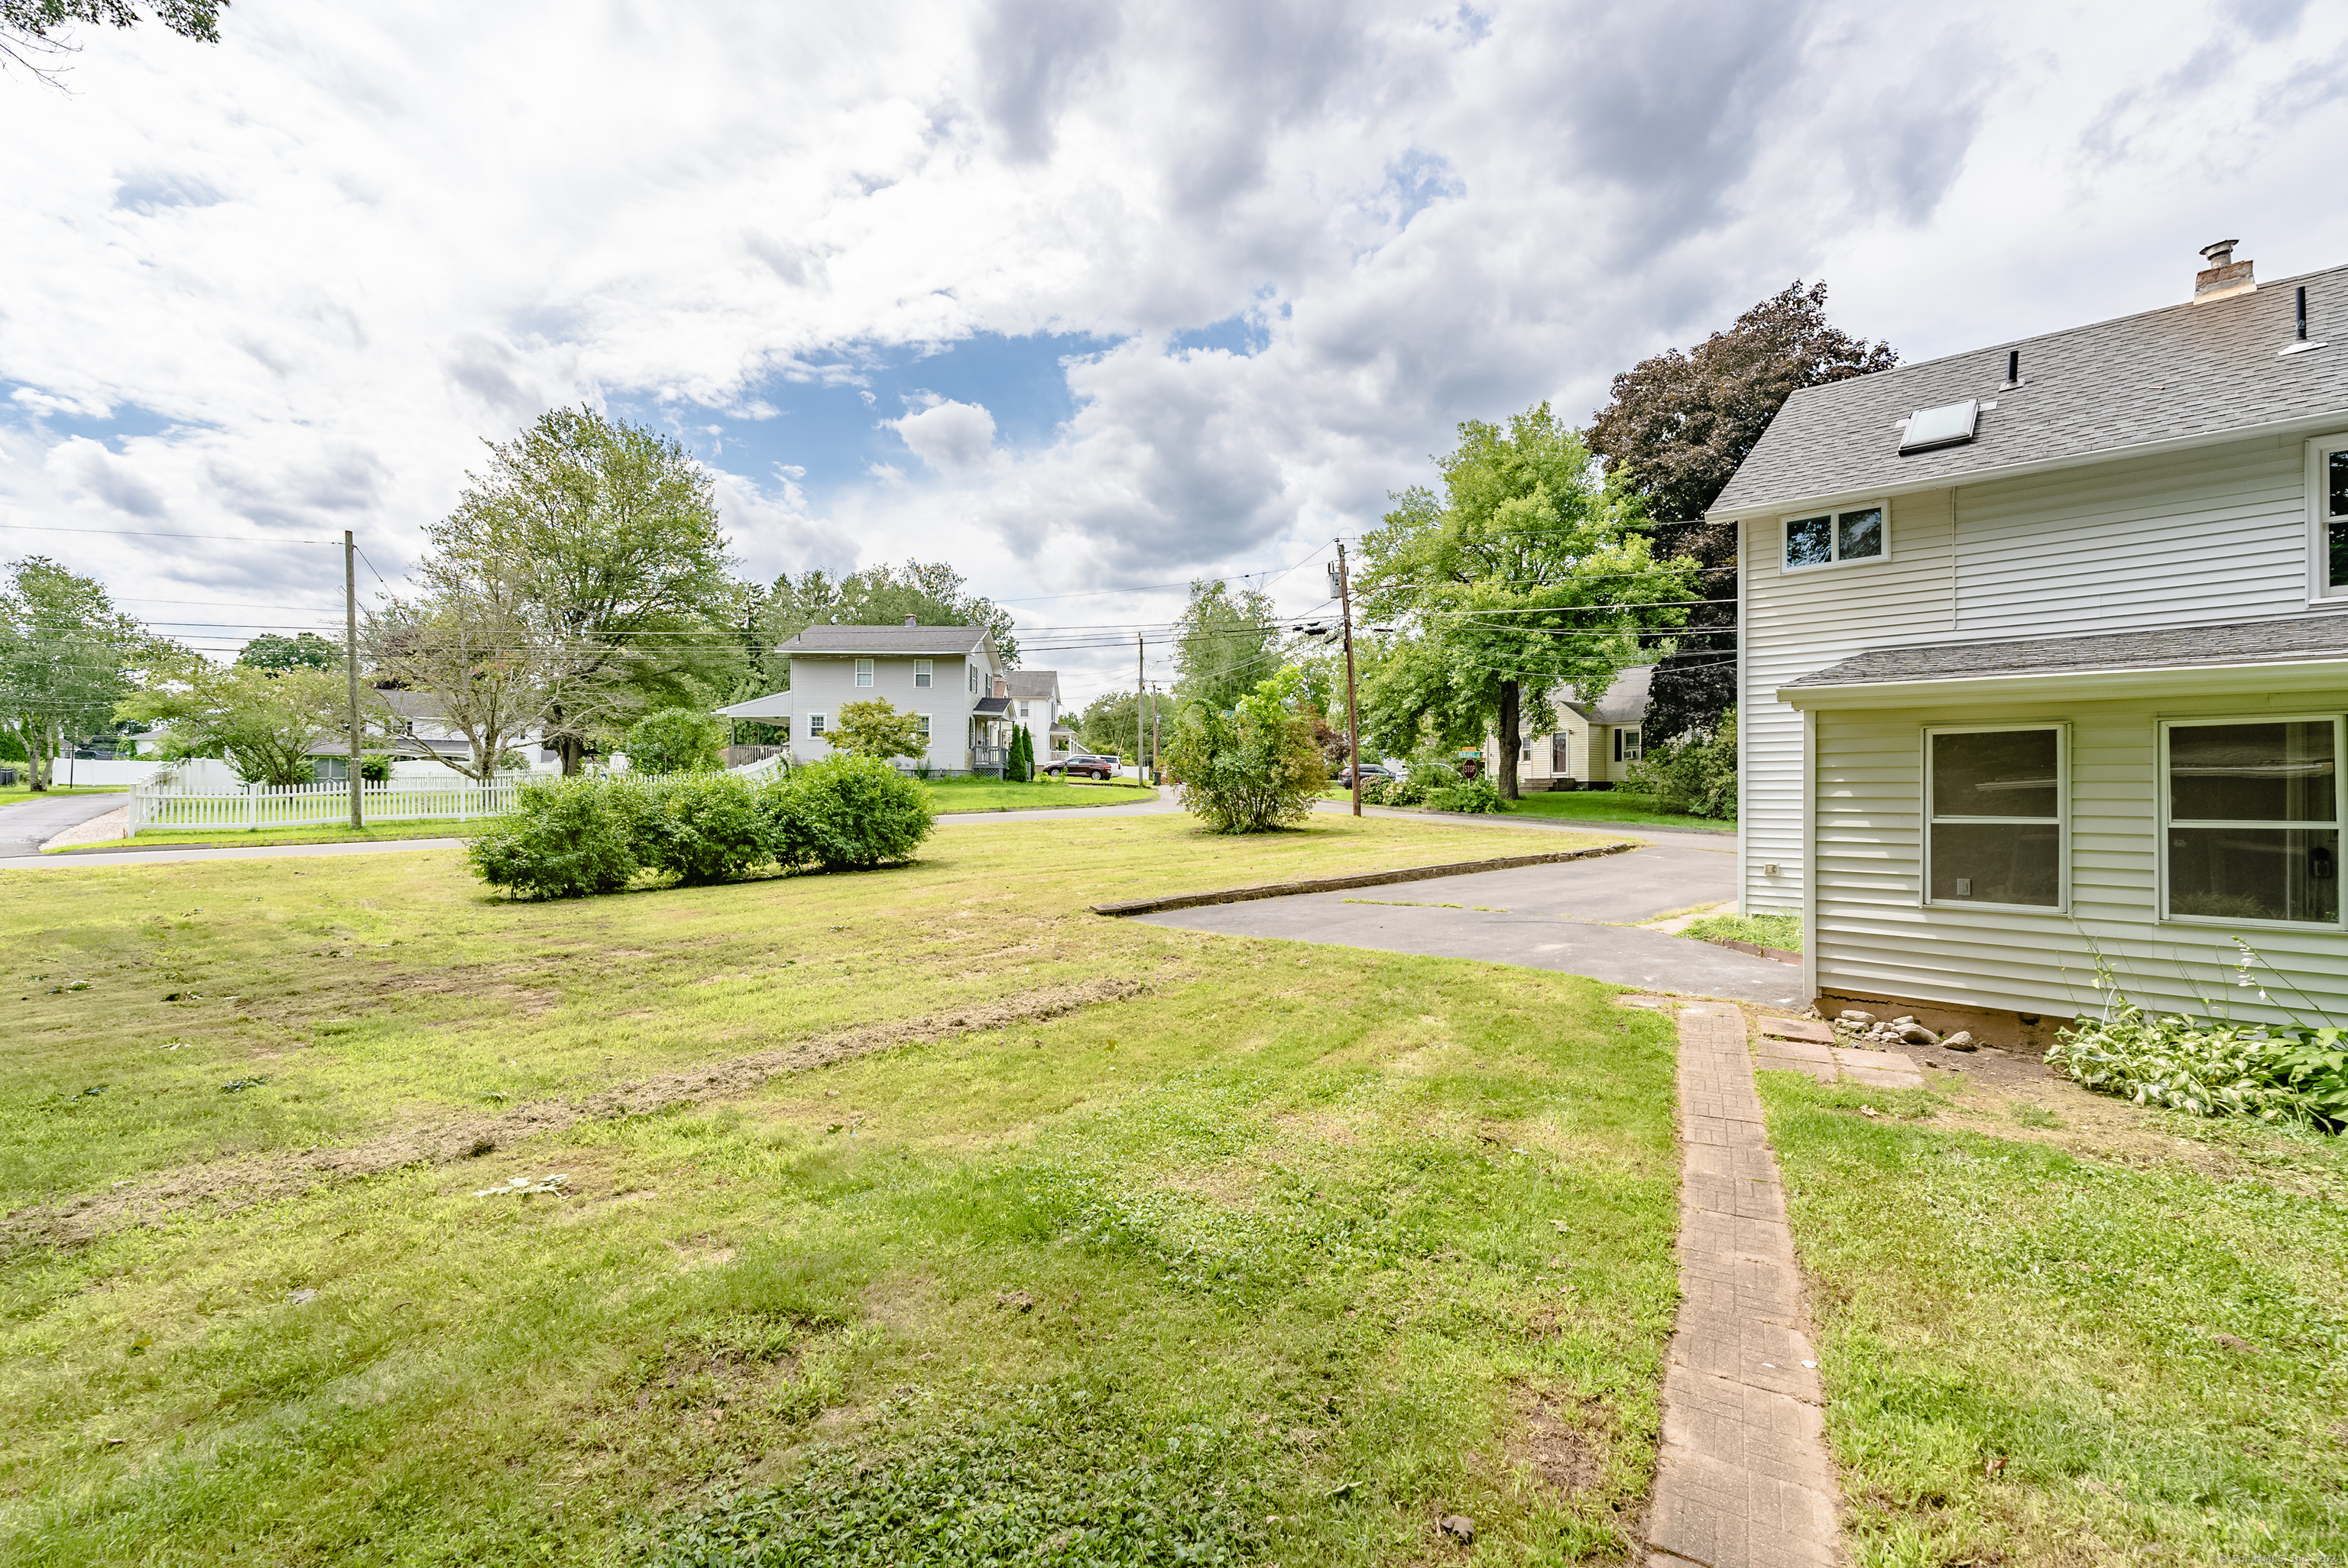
2013,367
2224,277
2300,342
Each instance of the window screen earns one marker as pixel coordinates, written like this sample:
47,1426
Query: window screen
864,671
1996,831
920,672
2336,514
1810,541
1831,537
2245,802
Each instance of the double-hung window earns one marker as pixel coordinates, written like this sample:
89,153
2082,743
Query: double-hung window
2327,519
973,676
2250,820
1993,807
920,672
921,727
1831,539
864,671
815,726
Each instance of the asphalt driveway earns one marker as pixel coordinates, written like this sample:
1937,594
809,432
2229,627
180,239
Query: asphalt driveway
1579,917
30,823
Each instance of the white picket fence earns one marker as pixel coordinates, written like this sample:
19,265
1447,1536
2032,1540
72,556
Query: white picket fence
165,806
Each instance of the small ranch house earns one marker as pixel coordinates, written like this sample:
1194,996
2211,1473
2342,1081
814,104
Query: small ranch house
952,677
2045,661
1595,742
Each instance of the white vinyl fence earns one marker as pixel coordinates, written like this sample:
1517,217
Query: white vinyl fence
164,804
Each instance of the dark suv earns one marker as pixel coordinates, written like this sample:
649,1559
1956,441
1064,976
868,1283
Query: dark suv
1085,763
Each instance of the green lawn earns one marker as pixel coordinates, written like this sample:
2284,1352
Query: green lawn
1282,1257
1783,932
11,793
993,795
1610,806
2058,1329
246,837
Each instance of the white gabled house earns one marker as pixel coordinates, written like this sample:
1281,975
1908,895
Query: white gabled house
1036,702
1595,743
2044,657
951,676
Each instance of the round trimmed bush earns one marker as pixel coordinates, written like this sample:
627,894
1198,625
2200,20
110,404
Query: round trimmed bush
565,839
707,827
846,813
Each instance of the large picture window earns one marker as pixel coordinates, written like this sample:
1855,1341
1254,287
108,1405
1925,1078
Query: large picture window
1831,539
2251,820
1995,815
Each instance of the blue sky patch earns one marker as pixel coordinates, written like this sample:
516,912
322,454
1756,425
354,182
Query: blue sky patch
830,428
1243,334
127,419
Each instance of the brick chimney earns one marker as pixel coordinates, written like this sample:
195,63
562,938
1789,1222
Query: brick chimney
1002,687
2224,277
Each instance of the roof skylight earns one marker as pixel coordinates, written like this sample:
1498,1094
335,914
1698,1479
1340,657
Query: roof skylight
1949,425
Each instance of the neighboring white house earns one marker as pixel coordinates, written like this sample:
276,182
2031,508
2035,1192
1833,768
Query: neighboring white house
421,731
1036,702
951,676
2045,655
1596,742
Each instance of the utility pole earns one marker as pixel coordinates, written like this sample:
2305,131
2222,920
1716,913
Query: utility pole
351,661
1353,706
1140,731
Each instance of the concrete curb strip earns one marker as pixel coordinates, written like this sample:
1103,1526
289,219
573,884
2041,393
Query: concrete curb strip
1757,950
1363,879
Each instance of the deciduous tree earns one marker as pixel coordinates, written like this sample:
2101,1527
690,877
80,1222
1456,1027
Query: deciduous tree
1252,768
32,32
1523,576
875,728
677,741
932,592
605,538
67,657
1677,425
273,651
479,657
263,721
1225,643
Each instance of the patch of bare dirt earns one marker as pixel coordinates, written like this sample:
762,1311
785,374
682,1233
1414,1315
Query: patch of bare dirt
262,1178
1562,1441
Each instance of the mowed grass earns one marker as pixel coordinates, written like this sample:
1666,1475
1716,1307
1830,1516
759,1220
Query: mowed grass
994,794
2037,1354
21,791
1610,806
1281,1260
249,838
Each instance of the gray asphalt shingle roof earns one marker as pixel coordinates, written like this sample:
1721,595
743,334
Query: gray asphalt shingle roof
2184,373
870,640
1033,685
2296,640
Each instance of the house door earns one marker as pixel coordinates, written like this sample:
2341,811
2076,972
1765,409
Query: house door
1560,755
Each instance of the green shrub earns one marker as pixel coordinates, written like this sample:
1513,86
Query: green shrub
1469,795
876,728
565,839
1695,775
711,827
1252,769
1377,791
375,768
847,812
2210,1068
677,741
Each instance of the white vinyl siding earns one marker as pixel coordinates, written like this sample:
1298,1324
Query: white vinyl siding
1800,622
2216,534
1872,935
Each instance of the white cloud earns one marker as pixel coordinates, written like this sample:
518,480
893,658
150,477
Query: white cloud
950,437
311,269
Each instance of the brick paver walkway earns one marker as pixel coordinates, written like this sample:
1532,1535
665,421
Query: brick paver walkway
1743,1478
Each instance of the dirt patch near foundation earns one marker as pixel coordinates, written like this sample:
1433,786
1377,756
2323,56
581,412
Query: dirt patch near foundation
224,1186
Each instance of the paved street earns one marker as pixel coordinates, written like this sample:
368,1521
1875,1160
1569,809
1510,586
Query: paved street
26,824
1576,917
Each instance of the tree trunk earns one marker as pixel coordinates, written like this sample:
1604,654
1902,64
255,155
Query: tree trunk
34,747
1509,741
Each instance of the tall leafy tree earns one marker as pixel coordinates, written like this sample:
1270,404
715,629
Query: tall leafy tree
1676,427
1225,644
263,721
67,657
273,650
932,592
605,537
1522,575
1111,724
481,657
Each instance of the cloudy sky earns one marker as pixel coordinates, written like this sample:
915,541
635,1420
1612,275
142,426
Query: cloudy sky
1088,299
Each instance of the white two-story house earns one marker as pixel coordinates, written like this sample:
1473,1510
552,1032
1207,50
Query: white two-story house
2045,661
1036,702
951,677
